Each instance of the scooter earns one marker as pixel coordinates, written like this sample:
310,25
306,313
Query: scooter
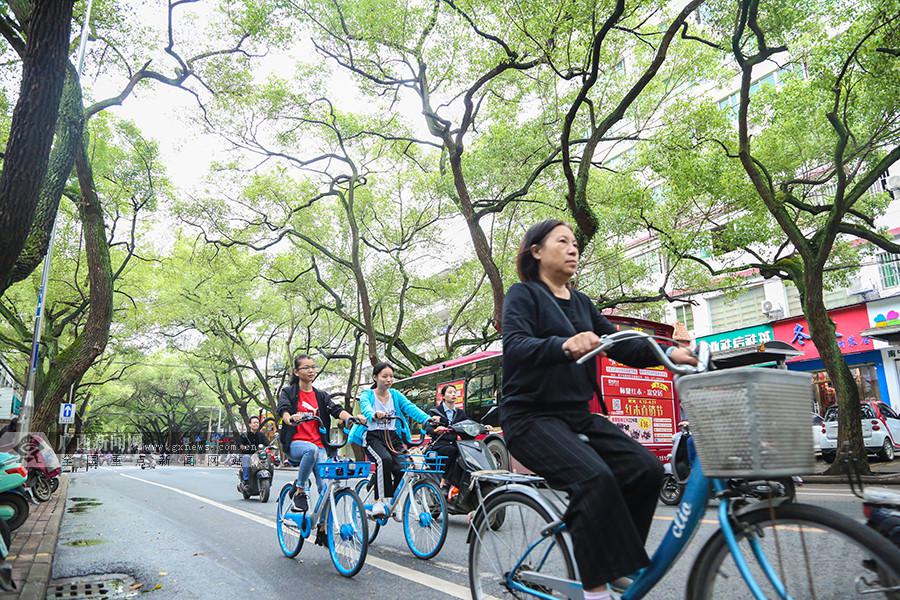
474,455
262,469
881,508
678,469
14,500
43,466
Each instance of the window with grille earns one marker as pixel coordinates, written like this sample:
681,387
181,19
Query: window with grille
889,269
684,313
731,312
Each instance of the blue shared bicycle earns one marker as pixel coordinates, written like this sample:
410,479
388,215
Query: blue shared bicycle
418,503
338,519
748,423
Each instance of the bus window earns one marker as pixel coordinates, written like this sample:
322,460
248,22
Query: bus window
481,395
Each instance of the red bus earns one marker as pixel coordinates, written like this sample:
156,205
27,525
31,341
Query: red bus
641,402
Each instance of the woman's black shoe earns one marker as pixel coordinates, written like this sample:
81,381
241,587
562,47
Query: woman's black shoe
300,502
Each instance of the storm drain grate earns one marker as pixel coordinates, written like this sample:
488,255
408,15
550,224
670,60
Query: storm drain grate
93,587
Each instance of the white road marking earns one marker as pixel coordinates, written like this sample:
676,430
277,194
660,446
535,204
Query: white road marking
435,583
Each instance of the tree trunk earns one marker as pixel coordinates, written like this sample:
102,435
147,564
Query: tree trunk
33,122
356,262
62,158
78,357
822,330
479,240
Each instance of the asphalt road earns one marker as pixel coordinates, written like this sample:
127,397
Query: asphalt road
185,532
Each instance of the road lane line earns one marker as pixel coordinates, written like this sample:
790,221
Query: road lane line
430,581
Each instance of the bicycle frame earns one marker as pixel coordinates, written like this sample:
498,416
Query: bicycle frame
403,490
305,522
687,519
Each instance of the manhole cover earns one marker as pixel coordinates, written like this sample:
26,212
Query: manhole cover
93,587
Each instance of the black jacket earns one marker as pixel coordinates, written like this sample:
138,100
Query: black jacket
287,402
536,373
449,436
250,441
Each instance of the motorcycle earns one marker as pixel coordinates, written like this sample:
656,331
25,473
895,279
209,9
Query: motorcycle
262,469
881,508
473,456
678,469
14,500
43,467
147,461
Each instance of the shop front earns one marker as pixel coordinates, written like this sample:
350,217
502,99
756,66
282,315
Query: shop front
863,354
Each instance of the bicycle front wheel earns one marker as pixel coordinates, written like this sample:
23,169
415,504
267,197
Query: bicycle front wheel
494,550
289,537
348,536
426,531
813,552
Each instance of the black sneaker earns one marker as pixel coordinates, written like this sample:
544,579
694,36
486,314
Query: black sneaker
301,503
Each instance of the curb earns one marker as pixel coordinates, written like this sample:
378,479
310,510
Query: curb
34,545
892,479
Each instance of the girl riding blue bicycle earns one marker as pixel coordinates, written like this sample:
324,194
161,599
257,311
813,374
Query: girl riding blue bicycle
383,438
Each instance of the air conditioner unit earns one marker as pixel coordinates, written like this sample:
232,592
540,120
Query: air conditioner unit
893,183
771,309
861,287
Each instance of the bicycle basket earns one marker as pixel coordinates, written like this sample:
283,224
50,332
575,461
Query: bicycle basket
432,462
342,469
750,422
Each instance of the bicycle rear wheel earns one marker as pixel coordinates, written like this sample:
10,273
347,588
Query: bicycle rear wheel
495,551
816,554
289,537
365,489
347,533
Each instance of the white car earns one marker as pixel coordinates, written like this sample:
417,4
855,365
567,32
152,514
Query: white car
818,429
881,431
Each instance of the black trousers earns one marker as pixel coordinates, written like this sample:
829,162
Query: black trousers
388,469
451,452
613,484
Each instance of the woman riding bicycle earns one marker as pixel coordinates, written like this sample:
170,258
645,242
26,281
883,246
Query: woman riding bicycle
301,440
383,436
612,480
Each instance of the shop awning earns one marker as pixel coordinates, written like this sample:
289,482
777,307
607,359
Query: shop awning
889,334
746,356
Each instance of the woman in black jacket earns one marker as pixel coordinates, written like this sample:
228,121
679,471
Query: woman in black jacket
304,442
611,479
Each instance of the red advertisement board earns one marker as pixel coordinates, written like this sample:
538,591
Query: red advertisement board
849,322
641,402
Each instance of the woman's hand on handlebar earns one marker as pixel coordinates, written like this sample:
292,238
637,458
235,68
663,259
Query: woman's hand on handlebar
361,419
380,415
580,344
683,356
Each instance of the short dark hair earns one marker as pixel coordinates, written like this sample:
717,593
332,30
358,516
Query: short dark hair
254,417
526,265
444,389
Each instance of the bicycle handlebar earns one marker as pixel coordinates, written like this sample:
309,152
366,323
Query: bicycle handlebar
608,341
345,430
406,432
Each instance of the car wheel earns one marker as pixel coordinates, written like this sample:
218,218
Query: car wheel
887,450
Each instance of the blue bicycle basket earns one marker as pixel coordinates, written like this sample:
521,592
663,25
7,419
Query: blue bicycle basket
343,469
431,462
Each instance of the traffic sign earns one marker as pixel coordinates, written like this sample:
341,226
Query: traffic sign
66,413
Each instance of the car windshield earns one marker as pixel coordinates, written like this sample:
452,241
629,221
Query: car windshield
817,420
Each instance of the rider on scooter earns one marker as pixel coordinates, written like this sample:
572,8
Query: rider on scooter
250,441
443,437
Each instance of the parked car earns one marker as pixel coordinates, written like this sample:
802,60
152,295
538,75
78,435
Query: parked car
818,429
880,427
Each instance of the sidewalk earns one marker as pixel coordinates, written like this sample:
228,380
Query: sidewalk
33,546
883,473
